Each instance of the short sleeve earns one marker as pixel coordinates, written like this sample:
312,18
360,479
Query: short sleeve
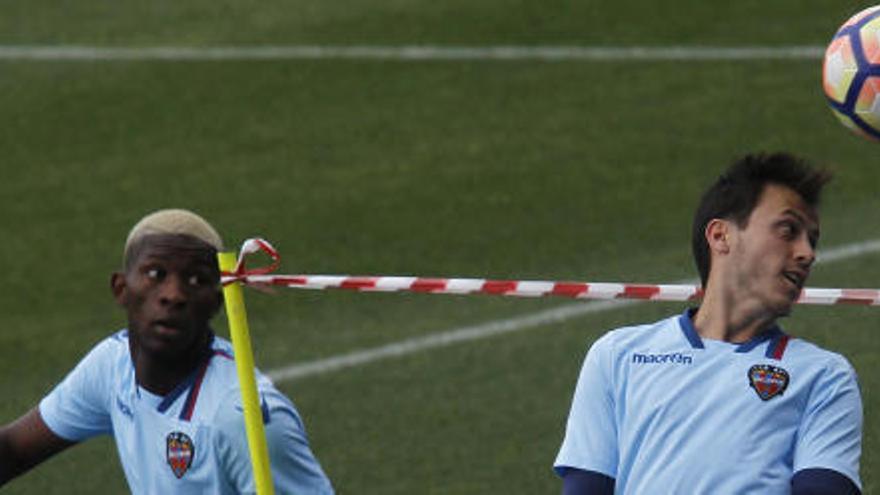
830,434
295,470
590,441
78,407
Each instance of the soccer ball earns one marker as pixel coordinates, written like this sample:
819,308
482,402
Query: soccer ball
851,73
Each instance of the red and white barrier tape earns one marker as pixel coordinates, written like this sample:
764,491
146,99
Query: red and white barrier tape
517,288
249,247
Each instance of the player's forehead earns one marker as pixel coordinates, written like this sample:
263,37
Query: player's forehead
778,201
178,250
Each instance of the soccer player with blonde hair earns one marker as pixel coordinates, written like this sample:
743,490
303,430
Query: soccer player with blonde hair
166,387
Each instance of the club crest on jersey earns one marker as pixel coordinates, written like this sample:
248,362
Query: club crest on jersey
767,380
179,452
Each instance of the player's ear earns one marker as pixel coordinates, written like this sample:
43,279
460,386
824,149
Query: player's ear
718,233
118,287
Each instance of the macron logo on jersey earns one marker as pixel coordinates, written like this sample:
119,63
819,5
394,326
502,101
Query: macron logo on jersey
671,358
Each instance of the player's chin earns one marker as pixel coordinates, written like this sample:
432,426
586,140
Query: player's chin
784,310
167,345
784,305
785,299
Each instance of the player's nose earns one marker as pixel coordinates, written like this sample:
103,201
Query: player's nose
173,292
805,252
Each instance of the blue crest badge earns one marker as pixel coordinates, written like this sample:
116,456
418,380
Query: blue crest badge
767,380
179,452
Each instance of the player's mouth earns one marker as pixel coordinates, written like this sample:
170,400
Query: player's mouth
169,328
795,278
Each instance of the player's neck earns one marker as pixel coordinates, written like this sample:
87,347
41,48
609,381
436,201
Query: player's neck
728,319
160,375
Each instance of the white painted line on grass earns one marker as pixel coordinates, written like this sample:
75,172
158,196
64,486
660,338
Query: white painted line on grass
408,53
499,327
848,251
442,339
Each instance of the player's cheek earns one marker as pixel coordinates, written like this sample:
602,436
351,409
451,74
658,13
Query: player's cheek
208,303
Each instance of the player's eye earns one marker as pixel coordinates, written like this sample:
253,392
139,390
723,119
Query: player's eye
788,230
198,280
155,273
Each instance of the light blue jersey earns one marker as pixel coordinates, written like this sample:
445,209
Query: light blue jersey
661,410
192,441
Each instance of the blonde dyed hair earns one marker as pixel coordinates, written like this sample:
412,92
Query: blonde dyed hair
173,221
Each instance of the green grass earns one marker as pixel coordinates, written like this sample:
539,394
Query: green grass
205,22
583,171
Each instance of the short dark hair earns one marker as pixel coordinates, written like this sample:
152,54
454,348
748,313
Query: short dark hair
736,192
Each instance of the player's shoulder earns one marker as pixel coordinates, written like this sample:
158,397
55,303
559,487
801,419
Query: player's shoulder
223,369
115,342
111,351
223,362
272,403
279,416
225,401
808,354
626,337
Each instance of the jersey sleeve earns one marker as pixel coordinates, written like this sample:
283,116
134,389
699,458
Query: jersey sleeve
78,407
830,434
295,470
590,442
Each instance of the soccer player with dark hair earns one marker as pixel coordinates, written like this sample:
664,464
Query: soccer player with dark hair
166,388
719,400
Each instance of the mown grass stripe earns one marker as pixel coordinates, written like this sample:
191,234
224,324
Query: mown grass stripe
410,53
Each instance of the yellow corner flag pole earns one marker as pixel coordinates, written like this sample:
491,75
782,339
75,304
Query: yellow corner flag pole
244,363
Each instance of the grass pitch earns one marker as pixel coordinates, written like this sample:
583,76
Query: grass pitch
564,170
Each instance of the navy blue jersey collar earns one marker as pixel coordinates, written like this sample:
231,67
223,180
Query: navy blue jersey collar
687,328
182,387
690,333
191,384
